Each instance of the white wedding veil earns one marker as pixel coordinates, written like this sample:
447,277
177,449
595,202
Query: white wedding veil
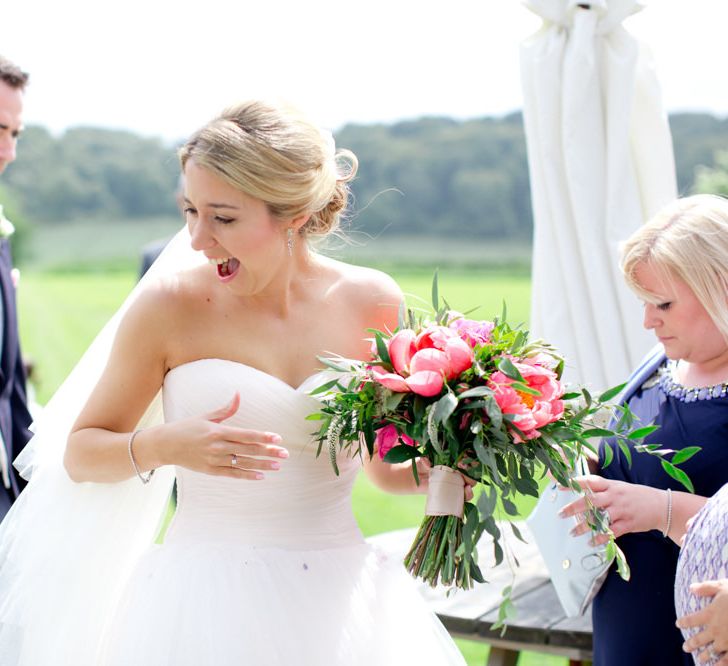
66,549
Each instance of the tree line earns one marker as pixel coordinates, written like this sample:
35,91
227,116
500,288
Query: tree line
432,176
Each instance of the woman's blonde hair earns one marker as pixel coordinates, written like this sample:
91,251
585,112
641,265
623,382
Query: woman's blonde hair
687,239
275,154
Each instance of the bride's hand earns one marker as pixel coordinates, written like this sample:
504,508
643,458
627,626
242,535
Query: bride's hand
205,444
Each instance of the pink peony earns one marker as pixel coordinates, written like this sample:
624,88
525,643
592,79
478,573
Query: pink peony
471,331
388,438
531,412
422,363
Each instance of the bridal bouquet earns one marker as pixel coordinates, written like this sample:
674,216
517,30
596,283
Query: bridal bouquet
477,399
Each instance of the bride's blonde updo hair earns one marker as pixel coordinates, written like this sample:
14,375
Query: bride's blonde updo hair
275,154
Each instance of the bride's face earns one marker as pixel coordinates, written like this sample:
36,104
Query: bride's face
246,243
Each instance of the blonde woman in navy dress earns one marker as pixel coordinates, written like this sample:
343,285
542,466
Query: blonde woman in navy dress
678,265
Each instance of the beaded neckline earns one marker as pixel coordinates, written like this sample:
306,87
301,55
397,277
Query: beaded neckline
673,388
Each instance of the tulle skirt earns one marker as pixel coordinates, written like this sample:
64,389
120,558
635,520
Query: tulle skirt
231,605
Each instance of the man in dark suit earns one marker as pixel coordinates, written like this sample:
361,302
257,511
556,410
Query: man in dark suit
14,416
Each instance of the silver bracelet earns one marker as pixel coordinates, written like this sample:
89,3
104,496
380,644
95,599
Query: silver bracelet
144,479
669,513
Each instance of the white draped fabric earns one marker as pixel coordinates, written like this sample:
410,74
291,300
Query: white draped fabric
67,549
600,163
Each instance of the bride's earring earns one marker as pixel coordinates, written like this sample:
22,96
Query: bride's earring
289,242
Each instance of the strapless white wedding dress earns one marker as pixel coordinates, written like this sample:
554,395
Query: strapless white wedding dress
272,572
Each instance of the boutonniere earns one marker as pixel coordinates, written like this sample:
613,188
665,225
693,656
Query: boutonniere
6,226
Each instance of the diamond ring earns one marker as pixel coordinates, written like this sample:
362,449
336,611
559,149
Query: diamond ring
234,461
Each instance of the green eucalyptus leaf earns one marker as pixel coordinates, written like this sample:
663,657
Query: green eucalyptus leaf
494,413
334,364
622,565
598,432
401,453
643,432
484,455
611,393
518,341
490,526
677,474
505,365
510,507
392,400
587,397
369,436
444,407
517,532
684,454
525,388
477,574
497,553
487,501
325,387
626,451
562,434
476,392
382,348
608,456
526,486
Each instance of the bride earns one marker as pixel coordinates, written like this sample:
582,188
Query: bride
263,563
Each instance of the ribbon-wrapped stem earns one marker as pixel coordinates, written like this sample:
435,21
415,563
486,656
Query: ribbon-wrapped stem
445,492
434,555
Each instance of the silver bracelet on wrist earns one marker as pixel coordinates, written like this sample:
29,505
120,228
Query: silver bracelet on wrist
668,523
142,477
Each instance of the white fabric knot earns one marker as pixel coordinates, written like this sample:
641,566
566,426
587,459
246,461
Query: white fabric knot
609,13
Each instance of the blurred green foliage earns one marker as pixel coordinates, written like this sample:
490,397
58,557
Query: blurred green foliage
434,177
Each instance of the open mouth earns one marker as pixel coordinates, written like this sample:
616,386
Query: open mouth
226,268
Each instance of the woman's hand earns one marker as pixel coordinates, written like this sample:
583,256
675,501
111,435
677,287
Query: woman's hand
205,444
630,507
712,638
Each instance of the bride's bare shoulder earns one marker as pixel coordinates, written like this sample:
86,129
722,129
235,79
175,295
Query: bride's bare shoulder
372,297
170,295
364,285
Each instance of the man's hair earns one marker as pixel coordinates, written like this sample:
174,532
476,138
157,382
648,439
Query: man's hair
12,74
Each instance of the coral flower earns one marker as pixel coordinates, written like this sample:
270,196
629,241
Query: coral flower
530,412
422,363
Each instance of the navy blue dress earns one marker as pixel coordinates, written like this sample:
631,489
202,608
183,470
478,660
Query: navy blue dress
634,622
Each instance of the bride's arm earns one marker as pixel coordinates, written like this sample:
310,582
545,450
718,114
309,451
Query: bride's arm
383,297
98,446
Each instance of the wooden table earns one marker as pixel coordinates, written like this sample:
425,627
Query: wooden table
540,624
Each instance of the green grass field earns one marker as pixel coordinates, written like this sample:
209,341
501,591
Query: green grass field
61,312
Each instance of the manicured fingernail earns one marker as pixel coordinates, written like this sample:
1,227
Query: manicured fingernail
562,513
274,438
275,465
258,476
283,453
572,531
